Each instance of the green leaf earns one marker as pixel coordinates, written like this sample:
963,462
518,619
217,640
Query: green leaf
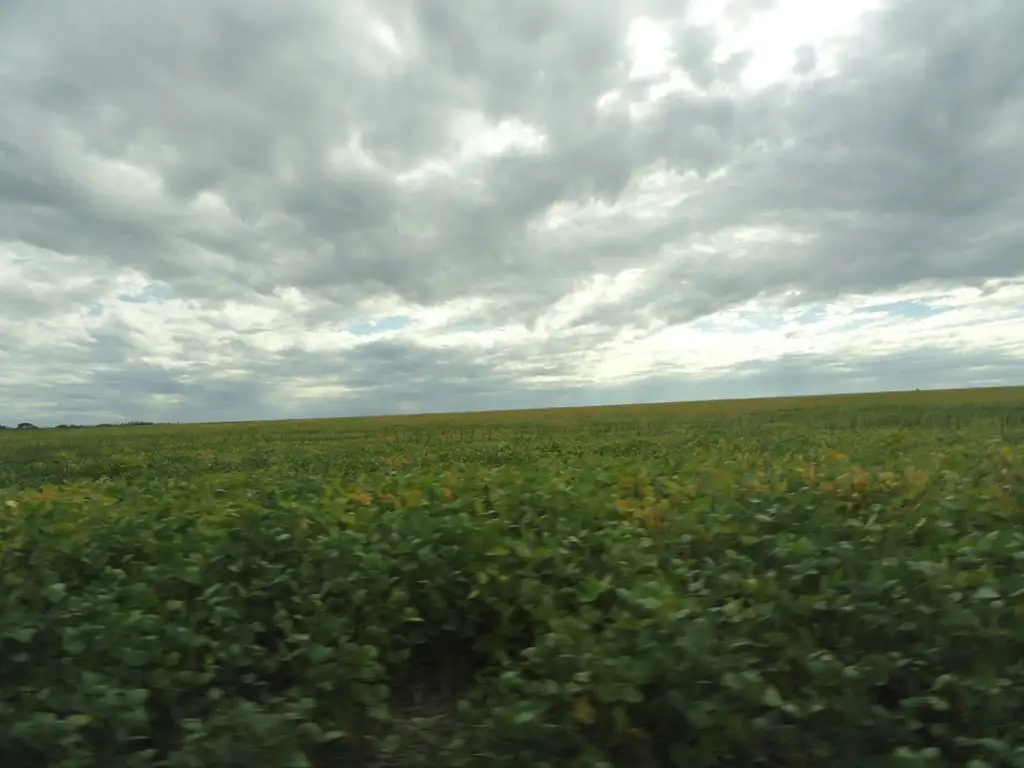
732,681
56,592
772,697
23,636
137,696
296,759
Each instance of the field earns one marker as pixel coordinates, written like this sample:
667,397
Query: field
833,581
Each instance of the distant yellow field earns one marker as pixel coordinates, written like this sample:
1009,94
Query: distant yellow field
932,397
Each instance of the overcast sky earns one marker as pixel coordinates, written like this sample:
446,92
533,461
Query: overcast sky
228,209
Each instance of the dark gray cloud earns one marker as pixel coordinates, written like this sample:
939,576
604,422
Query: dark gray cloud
241,155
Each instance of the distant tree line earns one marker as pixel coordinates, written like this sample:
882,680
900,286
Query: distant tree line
28,425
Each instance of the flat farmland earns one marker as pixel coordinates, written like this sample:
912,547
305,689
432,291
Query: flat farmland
806,581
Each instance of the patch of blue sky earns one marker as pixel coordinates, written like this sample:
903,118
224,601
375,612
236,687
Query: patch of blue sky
738,323
153,292
707,325
379,325
814,313
904,308
94,310
756,321
751,321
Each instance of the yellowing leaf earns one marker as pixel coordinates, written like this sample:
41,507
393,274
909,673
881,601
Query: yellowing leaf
583,711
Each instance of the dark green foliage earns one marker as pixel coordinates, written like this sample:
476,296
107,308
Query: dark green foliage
764,591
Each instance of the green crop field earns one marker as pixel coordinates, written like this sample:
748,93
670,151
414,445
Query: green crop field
828,581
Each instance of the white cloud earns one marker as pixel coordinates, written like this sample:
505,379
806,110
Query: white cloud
454,205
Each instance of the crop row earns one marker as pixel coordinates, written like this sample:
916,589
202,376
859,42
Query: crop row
678,600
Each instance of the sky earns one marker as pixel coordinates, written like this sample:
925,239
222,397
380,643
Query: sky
217,210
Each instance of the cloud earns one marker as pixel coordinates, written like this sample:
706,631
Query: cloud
214,209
